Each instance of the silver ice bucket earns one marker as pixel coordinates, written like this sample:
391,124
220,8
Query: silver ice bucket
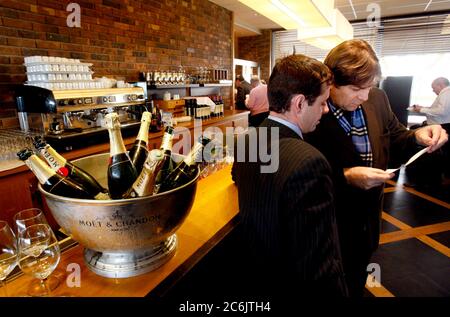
123,237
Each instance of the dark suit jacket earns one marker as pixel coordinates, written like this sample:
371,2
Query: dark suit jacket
242,90
288,218
358,211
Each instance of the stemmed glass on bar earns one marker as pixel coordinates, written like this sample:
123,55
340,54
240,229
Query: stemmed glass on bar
8,253
38,250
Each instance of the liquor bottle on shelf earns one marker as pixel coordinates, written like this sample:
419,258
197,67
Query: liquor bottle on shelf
121,171
51,181
144,184
166,163
65,168
138,153
160,121
214,99
189,107
154,118
221,106
186,169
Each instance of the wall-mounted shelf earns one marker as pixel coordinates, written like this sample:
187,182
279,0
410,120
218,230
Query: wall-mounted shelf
194,90
172,86
188,86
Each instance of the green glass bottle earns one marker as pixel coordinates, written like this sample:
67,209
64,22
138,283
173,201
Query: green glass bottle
186,169
144,184
51,181
121,171
138,152
165,165
65,168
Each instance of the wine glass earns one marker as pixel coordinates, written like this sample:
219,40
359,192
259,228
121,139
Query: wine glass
8,253
28,217
24,219
39,254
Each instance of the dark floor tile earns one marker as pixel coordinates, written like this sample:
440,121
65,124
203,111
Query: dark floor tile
442,237
388,227
431,182
425,181
414,210
415,285
439,192
411,268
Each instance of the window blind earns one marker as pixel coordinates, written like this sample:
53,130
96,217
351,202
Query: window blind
395,36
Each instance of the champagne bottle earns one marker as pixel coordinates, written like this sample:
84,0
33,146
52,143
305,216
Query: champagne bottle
121,171
144,184
65,168
166,163
51,181
138,153
186,169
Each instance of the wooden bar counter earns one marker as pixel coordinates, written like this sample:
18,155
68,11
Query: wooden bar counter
212,216
19,186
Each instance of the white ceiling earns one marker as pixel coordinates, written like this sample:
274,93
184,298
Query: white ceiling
249,23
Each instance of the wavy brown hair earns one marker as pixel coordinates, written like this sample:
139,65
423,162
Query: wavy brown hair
296,74
354,62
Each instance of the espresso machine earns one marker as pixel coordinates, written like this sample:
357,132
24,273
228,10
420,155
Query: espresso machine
71,119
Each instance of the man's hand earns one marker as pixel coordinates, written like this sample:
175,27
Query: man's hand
366,177
432,135
416,108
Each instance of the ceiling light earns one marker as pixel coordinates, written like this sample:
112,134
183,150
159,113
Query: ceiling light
291,14
328,37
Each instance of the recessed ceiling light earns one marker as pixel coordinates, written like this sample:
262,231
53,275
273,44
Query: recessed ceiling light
290,14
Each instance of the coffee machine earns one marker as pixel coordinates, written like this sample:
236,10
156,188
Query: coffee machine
70,119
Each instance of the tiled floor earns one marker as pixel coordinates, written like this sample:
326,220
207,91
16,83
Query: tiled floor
414,254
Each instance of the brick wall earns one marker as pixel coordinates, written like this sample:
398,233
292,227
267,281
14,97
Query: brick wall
257,49
120,37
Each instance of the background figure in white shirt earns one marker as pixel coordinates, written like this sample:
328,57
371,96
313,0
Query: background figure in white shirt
435,168
439,112
257,102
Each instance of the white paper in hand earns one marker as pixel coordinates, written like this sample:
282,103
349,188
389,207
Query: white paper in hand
412,159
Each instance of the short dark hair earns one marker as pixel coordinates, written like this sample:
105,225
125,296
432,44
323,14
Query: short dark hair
240,78
296,74
353,62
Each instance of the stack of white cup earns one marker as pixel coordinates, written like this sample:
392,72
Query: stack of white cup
59,73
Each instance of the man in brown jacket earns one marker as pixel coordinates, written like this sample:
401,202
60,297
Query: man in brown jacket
357,136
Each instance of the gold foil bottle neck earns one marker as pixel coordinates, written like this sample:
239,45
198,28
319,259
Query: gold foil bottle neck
112,121
146,116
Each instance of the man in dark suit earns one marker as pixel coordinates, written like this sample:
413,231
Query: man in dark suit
357,136
243,89
288,224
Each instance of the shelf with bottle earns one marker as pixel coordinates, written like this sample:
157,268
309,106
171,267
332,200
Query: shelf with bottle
199,77
217,84
171,86
175,86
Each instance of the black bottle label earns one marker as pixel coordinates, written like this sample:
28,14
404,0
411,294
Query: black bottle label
138,154
121,175
61,186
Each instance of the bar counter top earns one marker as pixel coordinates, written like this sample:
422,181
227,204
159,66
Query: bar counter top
229,115
212,217
19,185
